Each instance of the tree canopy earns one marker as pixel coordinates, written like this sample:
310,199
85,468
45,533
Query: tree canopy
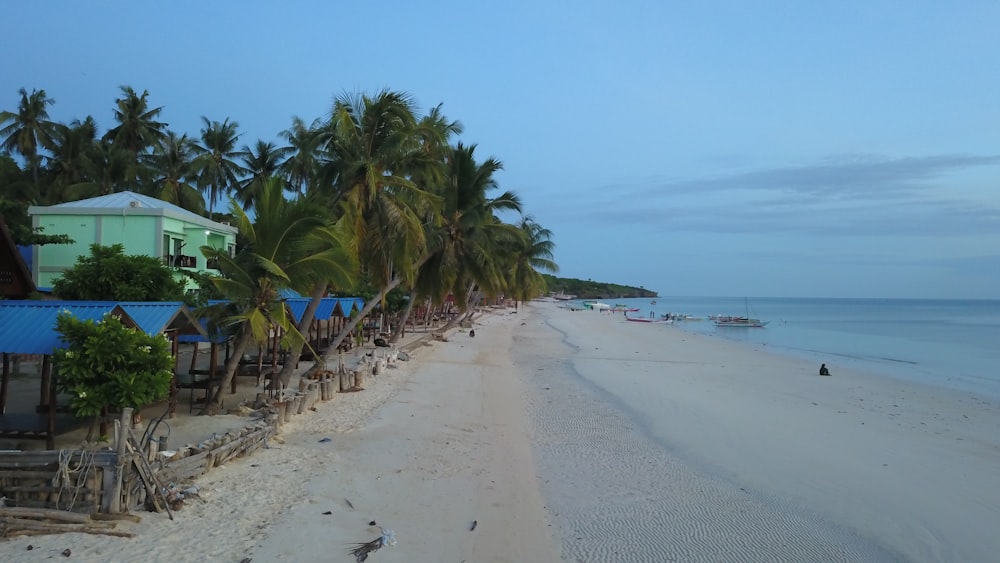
109,275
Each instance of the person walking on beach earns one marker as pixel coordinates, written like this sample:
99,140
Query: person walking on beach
823,370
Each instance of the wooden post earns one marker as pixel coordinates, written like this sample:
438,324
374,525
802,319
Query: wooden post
282,409
194,357
43,399
3,382
50,435
114,502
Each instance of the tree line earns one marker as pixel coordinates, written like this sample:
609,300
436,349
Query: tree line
375,194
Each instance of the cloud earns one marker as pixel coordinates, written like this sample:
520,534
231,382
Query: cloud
853,195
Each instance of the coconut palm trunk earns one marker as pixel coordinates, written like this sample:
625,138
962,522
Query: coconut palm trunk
285,375
213,406
401,328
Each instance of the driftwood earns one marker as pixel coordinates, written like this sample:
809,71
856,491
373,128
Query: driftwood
24,526
45,514
16,521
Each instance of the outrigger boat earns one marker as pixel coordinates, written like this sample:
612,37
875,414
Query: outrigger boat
653,320
743,322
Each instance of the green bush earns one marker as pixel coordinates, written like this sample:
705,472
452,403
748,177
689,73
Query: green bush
109,275
106,364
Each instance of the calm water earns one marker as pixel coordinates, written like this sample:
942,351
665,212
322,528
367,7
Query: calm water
950,343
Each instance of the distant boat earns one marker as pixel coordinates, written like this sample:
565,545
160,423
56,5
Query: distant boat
653,320
596,305
740,322
563,297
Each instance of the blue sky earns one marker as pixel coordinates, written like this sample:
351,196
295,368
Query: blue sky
841,149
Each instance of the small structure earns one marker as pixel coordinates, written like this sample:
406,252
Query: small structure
143,225
28,327
15,279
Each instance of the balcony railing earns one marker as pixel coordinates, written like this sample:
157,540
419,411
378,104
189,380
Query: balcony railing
181,261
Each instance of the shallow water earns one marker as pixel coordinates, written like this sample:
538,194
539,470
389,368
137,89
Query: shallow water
950,343
618,494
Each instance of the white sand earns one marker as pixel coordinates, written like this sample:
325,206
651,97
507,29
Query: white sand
447,446
646,444
698,448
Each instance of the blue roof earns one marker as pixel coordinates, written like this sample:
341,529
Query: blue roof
29,327
155,317
351,304
327,307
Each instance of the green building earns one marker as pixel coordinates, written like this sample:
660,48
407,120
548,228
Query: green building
141,224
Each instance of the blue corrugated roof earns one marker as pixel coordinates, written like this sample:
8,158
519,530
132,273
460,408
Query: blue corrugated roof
328,306
29,327
155,317
351,304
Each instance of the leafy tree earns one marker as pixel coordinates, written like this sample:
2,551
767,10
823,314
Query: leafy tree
106,365
109,275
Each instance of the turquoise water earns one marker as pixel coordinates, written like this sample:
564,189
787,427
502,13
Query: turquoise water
949,343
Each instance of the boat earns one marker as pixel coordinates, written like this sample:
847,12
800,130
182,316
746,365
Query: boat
596,305
652,320
740,322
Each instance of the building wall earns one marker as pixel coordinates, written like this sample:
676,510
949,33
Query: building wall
150,235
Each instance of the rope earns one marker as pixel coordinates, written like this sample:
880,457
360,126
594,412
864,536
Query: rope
72,481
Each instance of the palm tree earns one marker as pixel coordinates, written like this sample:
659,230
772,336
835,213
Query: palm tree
301,166
375,150
532,252
72,157
465,242
288,245
137,132
262,162
175,173
29,129
217,169
108,169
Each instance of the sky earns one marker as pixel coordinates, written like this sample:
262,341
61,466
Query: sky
778,149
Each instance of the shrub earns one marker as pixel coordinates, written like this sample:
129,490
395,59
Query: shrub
107,364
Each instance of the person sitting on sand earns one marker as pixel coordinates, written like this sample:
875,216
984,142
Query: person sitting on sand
823,370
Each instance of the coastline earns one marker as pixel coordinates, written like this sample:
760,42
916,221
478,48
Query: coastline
578,436
430,446
738,447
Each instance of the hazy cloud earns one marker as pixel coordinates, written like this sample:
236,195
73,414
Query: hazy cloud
857,195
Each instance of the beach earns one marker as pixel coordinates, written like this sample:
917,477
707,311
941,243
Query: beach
559,435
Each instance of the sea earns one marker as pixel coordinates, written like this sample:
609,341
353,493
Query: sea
952,343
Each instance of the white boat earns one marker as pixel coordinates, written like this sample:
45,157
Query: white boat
740,322
596,305
652,320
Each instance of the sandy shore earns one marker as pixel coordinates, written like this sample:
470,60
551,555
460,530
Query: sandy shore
578,436
430,447
701,449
